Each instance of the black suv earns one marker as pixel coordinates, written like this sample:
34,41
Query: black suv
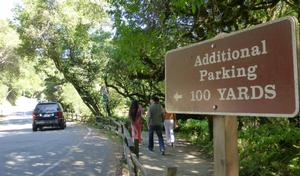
48,114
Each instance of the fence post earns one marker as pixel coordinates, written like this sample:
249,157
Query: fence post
135,167
129,161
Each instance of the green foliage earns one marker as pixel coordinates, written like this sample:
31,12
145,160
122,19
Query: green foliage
270,149
69,33
66,43
3,92
9,61
146,30
12,96
53,89
72,102
30,84
196,131
140,43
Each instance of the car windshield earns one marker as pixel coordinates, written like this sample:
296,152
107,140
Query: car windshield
44,108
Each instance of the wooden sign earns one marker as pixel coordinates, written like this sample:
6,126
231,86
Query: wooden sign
251,72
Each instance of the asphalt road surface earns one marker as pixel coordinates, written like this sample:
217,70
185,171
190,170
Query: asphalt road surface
77,150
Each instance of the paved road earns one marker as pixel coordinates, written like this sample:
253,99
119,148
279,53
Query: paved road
77,150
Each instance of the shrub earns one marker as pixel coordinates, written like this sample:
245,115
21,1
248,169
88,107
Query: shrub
196,132
270,149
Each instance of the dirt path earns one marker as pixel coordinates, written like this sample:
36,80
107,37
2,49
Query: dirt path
187,158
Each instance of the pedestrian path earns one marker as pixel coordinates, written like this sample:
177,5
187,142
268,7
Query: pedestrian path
187,158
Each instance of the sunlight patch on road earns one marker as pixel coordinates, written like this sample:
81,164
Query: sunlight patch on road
52,166
98,170
189,156
99,163
153,167
14,127
10,163
195,172
28,173
6,130
78,163
76,149
2,134
19,158
51,153
41,164
35,156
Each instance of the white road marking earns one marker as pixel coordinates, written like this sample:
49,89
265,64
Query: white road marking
61,160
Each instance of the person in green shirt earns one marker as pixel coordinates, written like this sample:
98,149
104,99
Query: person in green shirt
155,119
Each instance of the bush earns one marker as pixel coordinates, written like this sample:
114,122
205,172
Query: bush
270,149
196,132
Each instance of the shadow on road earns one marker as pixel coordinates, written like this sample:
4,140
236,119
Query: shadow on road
74,151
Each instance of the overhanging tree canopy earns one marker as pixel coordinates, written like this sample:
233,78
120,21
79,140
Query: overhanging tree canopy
146,30
69,32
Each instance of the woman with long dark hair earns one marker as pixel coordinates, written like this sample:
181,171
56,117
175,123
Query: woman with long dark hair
133,110
135,117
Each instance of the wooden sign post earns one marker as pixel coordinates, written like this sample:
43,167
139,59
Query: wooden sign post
225,146
226,157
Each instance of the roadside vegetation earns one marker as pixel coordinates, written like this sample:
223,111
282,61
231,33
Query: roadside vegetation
96,56
268,148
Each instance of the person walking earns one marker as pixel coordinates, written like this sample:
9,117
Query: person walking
169,123
135,118
155,119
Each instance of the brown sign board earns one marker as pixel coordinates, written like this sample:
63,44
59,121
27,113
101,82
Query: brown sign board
252,72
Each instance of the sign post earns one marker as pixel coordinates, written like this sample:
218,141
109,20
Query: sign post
226,156
252,72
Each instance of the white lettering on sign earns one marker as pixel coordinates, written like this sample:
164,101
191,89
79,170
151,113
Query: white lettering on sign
254,92
177,96
229,73
248,93
225,56
199,95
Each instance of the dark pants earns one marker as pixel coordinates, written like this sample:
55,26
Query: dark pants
158,130
136,147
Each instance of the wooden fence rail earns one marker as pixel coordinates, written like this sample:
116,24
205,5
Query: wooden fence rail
135,167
